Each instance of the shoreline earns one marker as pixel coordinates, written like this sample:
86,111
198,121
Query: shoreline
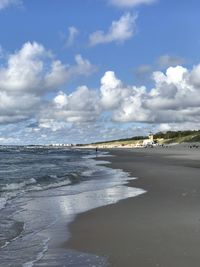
46,214
158,228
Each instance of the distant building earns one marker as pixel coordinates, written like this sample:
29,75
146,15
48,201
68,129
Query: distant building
62,145
151,137
150,141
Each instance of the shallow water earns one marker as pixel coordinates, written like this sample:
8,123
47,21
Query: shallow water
35,213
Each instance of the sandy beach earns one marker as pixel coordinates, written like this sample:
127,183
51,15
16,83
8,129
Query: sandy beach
158,228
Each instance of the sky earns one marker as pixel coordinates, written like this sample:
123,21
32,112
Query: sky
81,71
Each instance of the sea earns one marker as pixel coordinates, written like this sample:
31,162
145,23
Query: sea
42,190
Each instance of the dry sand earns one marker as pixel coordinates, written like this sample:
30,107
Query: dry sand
159,228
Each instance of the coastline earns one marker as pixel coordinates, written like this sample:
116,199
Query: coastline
158,228
45,215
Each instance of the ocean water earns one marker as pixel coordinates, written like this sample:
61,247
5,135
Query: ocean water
41,191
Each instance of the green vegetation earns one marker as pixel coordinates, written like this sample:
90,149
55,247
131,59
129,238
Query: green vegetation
162,138
178,136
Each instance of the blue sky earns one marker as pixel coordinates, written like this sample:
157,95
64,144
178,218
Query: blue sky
80,71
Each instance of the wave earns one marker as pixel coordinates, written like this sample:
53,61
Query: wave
17,186
69,173
10,191
13,190
49,186
3,202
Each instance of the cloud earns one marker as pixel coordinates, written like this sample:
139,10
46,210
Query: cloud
32,72
143,72
167,60
28,75
124,101
112,91
6,140
82,67
33,68
7,3
73,32
164,127
14,107
119,31
80,106
23,69
130,3
61,132
174,98
60,73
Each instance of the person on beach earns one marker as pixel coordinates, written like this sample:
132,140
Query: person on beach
96,150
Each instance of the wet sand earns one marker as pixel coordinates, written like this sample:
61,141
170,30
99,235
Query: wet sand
158,228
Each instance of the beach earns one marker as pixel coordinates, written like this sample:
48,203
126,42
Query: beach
158,228
46,189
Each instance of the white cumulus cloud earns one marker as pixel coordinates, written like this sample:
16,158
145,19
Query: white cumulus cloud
124,101
82,105
119,31
28,75
174,99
